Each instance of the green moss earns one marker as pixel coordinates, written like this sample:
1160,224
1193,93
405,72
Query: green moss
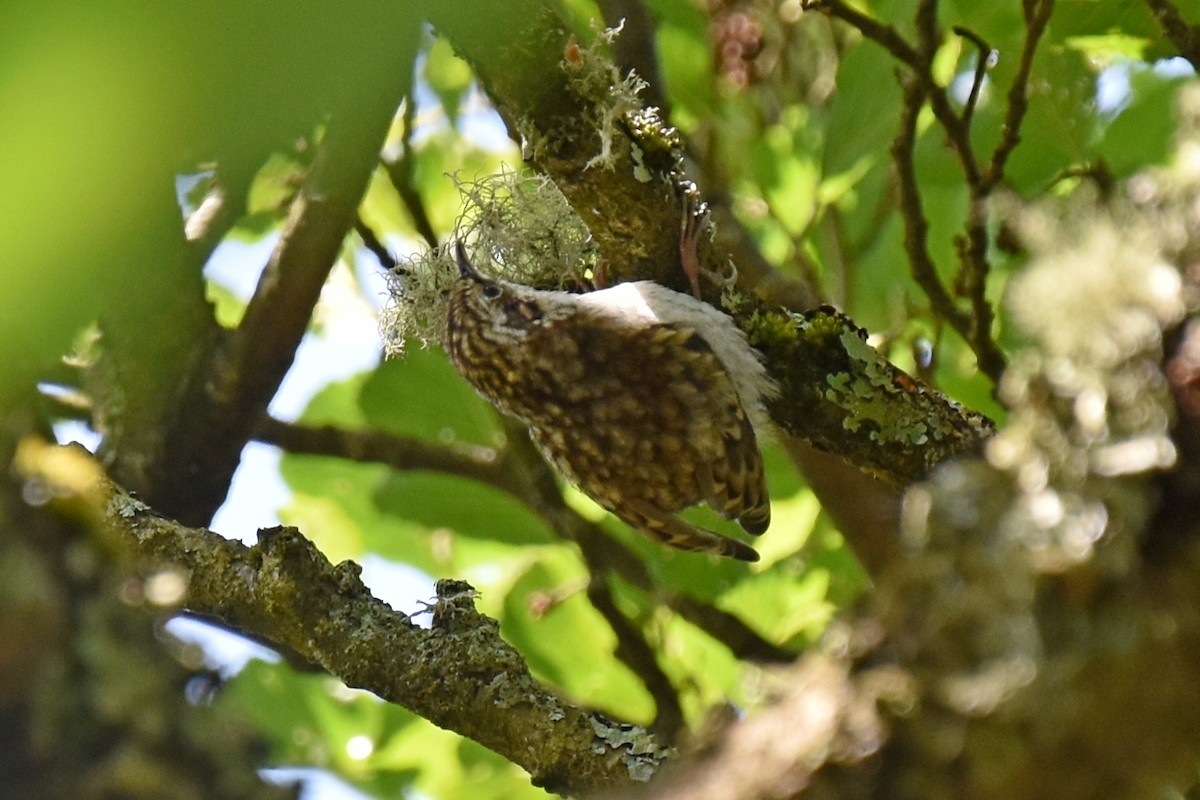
771,329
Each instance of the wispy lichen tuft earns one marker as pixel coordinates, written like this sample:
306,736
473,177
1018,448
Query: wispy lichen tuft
516,226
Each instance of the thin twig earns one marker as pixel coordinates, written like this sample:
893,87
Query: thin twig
957,131
916,227
372,242
399,452
973,250
1037,16
928,35
885,35
982,61
1185,36
400,172
975,326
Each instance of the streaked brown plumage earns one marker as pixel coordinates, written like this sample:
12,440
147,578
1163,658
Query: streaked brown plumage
643,397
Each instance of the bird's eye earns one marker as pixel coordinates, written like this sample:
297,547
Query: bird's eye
491,291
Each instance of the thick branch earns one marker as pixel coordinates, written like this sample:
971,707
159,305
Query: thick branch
459,674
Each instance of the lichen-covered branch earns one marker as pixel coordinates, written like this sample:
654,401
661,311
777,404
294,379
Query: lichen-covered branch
459,674
839,393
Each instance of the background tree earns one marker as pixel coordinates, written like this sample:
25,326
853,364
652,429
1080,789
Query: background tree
1004,198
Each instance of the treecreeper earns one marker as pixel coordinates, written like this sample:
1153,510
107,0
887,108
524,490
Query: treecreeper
646,399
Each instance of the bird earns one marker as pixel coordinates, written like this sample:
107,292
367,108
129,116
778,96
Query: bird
648,400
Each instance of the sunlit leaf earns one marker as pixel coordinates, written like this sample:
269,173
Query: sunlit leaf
447,75
566,641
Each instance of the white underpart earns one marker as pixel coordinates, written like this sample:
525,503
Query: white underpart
652,302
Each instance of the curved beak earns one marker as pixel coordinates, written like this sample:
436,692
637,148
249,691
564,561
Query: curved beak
465,270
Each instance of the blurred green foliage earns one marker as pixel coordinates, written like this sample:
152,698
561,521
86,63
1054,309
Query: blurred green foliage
112,102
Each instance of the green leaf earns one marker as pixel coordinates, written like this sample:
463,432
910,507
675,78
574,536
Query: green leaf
447,75
228,308
333,503
1060,126
685,58
706,671
420,394
450,767
1141,133
1100,28
570,644
432,501
787,176
864,110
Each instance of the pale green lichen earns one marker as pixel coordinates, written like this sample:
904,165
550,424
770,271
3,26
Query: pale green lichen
519,227
640,172
870,397
612,97
640,750
126,507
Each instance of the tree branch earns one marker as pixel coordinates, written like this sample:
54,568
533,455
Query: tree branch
371,241
976,326
981,67
400,172
885,35
1037,17
916,227
522,473
459,674
1184,35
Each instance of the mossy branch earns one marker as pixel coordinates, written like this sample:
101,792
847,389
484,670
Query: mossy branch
459,674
